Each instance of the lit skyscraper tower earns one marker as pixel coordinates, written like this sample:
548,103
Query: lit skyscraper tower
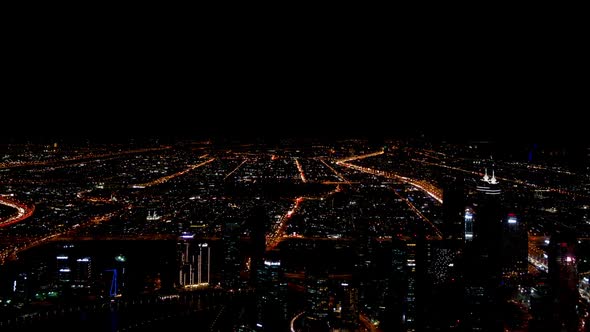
120,266
482,256
349,310
83,272
194,267
318,297
514,248
469,218
398,284
271,302
204,264
186,261
257,224
410,310
64,271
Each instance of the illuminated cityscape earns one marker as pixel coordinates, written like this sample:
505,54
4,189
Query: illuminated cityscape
294,235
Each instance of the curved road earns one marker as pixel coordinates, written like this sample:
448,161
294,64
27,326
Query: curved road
23,211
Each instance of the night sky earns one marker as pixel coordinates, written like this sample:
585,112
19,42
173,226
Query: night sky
489,89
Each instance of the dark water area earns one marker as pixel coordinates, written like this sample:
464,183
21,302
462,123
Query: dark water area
149,314
143,260
34,294
150,298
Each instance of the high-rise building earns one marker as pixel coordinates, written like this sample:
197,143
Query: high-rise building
204,264
64,270
257,224
83,272
271,300
194,263
364,273
453,213
563,278
482,257
348,306
410,305
186,261
514,248
120,266
398,286
441,262
317,297
469,218
21,286
232,262
541,308
440,305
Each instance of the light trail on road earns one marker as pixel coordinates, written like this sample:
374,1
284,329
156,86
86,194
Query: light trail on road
362,156
5,165
300,168
273,239
419,214
22,212
338,175
167,178
294,319
428,188
11,253
235,169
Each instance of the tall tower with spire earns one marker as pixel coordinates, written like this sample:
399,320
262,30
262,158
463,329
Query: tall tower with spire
482,255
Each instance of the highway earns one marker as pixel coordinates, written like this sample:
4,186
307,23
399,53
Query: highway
273,239
11,253
235,169
300,169
167,178
428,188
5,165
23,211
419,214
362,156
338,175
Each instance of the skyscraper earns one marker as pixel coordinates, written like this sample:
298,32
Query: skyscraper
257,224
204,264
398,285
231,255
482,256
317,297
410,305
64,271
194,262
563,278
83,272
514,248
271,300
349,305
186,261
469,217
453,209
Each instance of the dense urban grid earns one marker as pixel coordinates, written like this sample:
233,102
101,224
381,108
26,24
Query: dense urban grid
298,235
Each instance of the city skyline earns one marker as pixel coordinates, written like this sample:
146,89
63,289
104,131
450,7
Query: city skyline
294,234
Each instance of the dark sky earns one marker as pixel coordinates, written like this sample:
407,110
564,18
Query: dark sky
124,87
